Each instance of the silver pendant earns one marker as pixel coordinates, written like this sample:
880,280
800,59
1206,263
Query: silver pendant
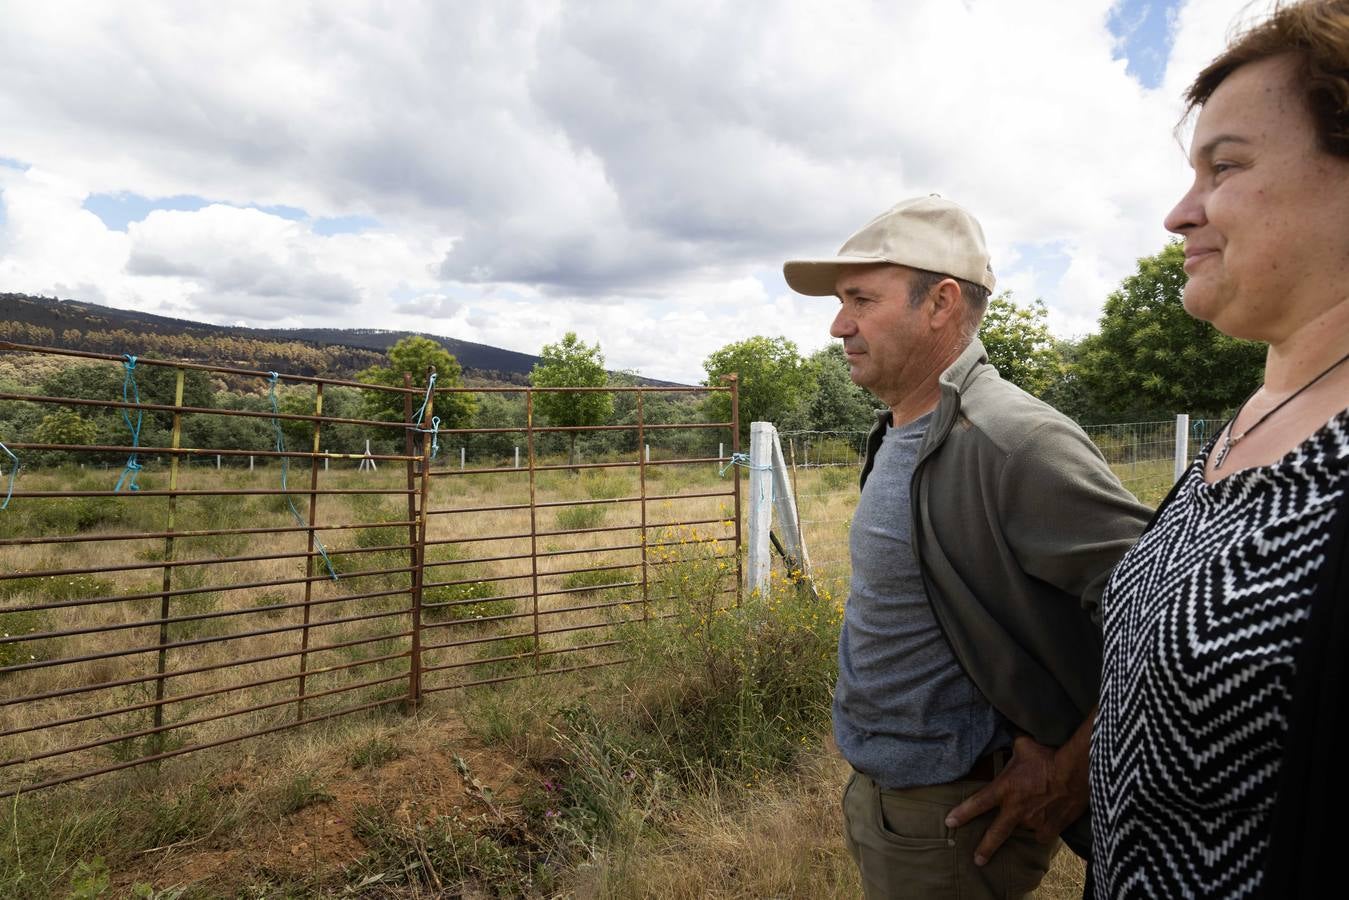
1222,454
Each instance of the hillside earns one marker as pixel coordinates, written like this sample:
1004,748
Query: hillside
336,352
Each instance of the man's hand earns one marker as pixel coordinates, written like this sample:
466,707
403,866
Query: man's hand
1041,788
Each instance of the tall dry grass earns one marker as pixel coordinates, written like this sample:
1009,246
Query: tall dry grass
480,619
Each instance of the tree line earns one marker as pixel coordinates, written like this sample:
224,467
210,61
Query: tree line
1147,360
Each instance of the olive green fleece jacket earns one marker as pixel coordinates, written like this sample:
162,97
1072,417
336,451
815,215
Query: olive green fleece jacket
1017,523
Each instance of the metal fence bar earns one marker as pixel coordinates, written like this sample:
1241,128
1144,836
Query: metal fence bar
125,609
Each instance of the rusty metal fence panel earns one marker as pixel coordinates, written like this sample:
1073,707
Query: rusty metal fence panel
163,596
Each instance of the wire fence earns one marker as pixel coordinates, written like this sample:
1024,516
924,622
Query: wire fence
241,562
826,466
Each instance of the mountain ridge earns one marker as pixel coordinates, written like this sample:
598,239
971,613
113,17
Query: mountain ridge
73,323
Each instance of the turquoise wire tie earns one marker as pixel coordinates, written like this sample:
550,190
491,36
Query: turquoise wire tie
133,465
742,460
272,378
434,430
12,473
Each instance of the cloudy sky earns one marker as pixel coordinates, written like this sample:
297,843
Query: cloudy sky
503,171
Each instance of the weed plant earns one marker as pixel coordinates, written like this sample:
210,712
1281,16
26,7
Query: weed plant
596,579
299,792
462,602
600,484
592,516
374,753
838,478
715,697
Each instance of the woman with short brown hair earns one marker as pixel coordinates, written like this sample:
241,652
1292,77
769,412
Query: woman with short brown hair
1223,710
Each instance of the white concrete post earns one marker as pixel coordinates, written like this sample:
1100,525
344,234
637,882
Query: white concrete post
325,463
462,457
1182,445
784,504
217,462
760,505
648,453
517,457
250,463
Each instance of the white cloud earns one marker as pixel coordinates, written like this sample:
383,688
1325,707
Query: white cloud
635,174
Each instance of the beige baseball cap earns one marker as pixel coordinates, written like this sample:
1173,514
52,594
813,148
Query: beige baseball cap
923,233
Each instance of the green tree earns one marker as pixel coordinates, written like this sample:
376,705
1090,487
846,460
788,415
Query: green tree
414,354
776,384
1019,343
65,427
571,362
838,404
1152,359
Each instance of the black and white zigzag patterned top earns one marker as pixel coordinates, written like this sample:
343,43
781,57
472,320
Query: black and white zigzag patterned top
1203,619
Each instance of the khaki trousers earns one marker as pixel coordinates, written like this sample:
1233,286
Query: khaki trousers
903,848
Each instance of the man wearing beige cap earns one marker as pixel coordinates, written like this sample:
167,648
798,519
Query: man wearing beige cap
970,653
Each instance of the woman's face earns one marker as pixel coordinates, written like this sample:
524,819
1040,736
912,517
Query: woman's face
1266,221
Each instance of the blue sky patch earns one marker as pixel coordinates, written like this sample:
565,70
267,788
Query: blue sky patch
1049,261
1144,32
121,209
344,224
293,213
13,164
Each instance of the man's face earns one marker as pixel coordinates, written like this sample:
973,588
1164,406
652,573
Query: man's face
883,335
1266,220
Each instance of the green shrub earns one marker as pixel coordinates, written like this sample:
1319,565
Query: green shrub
520,653
383,536
14,624
732,689
595,579
445,603
570,517
838,478
299,792
56,588
271,598
194,605
193,813
601,484
374,752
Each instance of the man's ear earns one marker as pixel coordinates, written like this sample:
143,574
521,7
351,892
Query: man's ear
946,304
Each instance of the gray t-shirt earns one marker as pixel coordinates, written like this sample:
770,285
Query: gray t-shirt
905,712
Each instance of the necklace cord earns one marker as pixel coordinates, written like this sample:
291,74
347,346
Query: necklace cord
1230,440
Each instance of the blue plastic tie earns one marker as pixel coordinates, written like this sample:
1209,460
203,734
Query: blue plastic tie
742,460
133,466
272,379
434,430
12,473
1199,429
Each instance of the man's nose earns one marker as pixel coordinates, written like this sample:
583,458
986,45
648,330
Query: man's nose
843,325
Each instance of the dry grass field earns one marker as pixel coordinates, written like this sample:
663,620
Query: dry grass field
662,776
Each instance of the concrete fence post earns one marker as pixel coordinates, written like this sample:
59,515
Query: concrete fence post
760,505
1182,445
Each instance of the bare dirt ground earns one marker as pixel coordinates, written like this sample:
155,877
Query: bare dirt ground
438,770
